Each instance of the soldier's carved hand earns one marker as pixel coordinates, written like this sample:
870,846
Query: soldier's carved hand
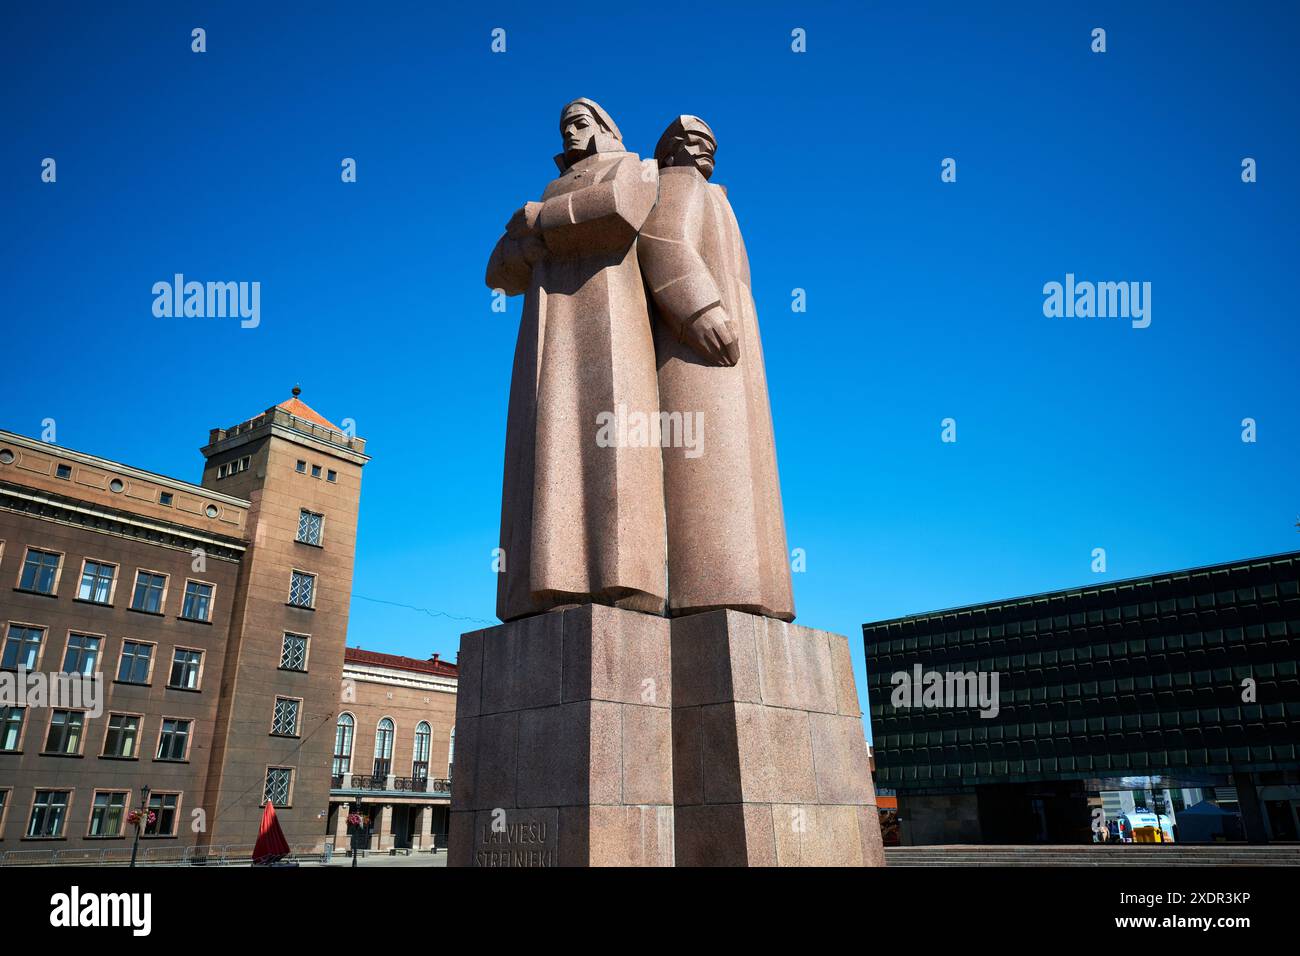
712,335
533,248
524,221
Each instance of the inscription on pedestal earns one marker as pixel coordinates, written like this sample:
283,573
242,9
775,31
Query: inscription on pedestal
517,837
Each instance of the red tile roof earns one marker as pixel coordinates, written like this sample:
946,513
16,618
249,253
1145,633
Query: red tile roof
356,655
300,409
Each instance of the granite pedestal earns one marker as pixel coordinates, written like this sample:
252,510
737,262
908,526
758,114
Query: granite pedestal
593,736
564,742
770,764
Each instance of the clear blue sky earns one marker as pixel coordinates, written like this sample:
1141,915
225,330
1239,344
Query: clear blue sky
924,298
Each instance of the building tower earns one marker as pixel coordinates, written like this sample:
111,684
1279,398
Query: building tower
280,687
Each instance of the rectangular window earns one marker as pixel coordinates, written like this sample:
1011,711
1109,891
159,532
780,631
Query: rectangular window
123,736
11,728
277,785
49,812
96,582
82,654
301,467
163,807
198,601
40,571
302,589
108,813
245,462
221,472
22,647
149,590
293,656
165,499
65,732
174,740
133,668
63,471
309,526
331,475
185,668
315,471
285,721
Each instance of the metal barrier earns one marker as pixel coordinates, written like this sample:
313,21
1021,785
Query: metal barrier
233,854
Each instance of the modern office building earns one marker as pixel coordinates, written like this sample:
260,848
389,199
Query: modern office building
216,614
393,748
1179,681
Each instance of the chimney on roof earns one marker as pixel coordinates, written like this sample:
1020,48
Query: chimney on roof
434,659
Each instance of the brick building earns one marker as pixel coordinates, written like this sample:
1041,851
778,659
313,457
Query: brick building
393,747
216,614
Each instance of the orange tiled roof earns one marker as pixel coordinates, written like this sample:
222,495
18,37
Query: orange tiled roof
356,655
300,409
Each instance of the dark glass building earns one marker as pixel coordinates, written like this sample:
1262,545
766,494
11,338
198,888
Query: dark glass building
1185,679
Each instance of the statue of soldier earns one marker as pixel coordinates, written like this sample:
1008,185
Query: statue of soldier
726,529
581,520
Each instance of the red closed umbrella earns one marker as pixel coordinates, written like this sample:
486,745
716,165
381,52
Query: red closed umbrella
271,844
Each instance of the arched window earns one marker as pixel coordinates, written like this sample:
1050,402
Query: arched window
420,761
343,744
384,748
451,751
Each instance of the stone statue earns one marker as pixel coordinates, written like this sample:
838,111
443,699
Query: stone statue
581,521
638,304
726,529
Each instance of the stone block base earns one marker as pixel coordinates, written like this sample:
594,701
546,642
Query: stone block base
564,742
594,736
769,759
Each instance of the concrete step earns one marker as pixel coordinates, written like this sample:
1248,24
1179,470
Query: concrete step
1096,855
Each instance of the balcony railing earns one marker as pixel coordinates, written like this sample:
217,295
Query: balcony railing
380,782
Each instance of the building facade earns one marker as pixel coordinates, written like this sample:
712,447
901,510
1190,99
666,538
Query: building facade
1184,681
213,616
393,748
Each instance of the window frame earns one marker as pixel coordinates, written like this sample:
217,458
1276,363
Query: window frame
40,647
315,579
112,584
58,571
176,815
90,817
297,717
81,739
212,601
387,754
306,652
266,777
198,677
320,534
351,743
139,735
162,600
189,741
153,659
99,655
67,813
22,728
427,733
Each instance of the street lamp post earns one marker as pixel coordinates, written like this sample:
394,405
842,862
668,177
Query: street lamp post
140,820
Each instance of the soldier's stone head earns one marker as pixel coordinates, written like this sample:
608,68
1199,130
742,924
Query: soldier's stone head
688,141
585,128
